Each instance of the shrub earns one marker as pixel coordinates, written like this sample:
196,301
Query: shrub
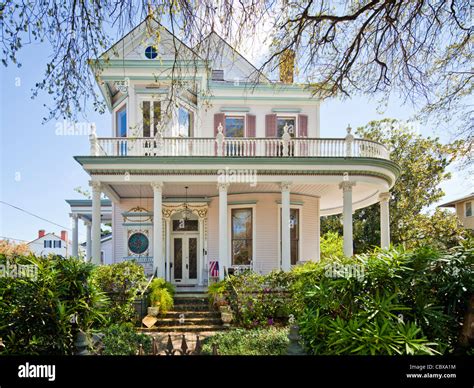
43,315
123,340
217,293
259,300
257,342
122,283
331,245
161,294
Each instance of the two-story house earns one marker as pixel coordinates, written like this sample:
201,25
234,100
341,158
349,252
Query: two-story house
464,208
50,244
214,162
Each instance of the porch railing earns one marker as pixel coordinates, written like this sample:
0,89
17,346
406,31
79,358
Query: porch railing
237,147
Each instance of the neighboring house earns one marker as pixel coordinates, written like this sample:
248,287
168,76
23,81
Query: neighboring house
48,243
235,173
106,249
464,210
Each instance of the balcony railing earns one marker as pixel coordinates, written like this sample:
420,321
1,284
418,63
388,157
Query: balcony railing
241,147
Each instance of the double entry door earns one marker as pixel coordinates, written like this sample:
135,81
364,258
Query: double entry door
185,258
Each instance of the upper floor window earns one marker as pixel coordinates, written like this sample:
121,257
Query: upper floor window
235,126
468,209
290,122
151,52
121,119
184,127
151,115
242,236
57,244
48,243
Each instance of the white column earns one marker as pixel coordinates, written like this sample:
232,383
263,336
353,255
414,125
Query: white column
95,222
318,231
224,261
168,249
158,262
200,264
75,235
285,227
384,220
88,241
346,187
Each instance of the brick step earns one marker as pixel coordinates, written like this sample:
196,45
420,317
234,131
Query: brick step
183,329
191,307
188,321
191,300
192,314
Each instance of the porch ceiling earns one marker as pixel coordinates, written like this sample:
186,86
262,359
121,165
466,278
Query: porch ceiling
330,195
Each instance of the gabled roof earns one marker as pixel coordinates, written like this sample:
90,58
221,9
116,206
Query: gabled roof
47,234
454,201
215,38
140,29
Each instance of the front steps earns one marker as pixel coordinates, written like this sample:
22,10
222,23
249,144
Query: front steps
191,314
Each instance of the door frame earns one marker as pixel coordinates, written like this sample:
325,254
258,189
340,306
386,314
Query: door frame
185,279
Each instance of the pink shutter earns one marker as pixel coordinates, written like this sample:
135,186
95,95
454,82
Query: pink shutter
219,118
302,126
271,125
251,128
251,132
303,132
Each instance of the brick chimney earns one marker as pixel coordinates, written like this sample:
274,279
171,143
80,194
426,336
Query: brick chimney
41,233
64,235
287,66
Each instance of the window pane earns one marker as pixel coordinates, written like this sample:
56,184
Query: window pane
290,121
192,246
146,118
184,122
241,252
468,209
241,236
242,223
294,235
185,225
178,258
234,127
156,115
122,122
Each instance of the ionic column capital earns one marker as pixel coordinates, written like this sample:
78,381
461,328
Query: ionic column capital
157,186
346,185
285,186
384,197
223,186
95,185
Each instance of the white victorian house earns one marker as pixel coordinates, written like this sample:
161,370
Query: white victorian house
216,163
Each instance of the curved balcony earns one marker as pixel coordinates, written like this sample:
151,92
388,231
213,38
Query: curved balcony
238,147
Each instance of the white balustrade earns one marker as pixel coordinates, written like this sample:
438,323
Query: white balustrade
238,147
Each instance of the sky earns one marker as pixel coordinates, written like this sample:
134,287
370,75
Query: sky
38,171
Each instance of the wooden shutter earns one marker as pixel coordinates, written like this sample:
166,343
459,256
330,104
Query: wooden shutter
302,126
251,127
219,118
271,125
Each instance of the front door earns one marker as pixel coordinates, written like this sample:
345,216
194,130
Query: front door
185,258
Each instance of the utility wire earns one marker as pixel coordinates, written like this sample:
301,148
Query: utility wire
34,215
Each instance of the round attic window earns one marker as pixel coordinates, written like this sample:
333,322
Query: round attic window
151,52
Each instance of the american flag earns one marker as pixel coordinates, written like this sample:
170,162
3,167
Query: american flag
214,268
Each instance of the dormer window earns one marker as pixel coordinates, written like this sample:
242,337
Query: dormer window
151,52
